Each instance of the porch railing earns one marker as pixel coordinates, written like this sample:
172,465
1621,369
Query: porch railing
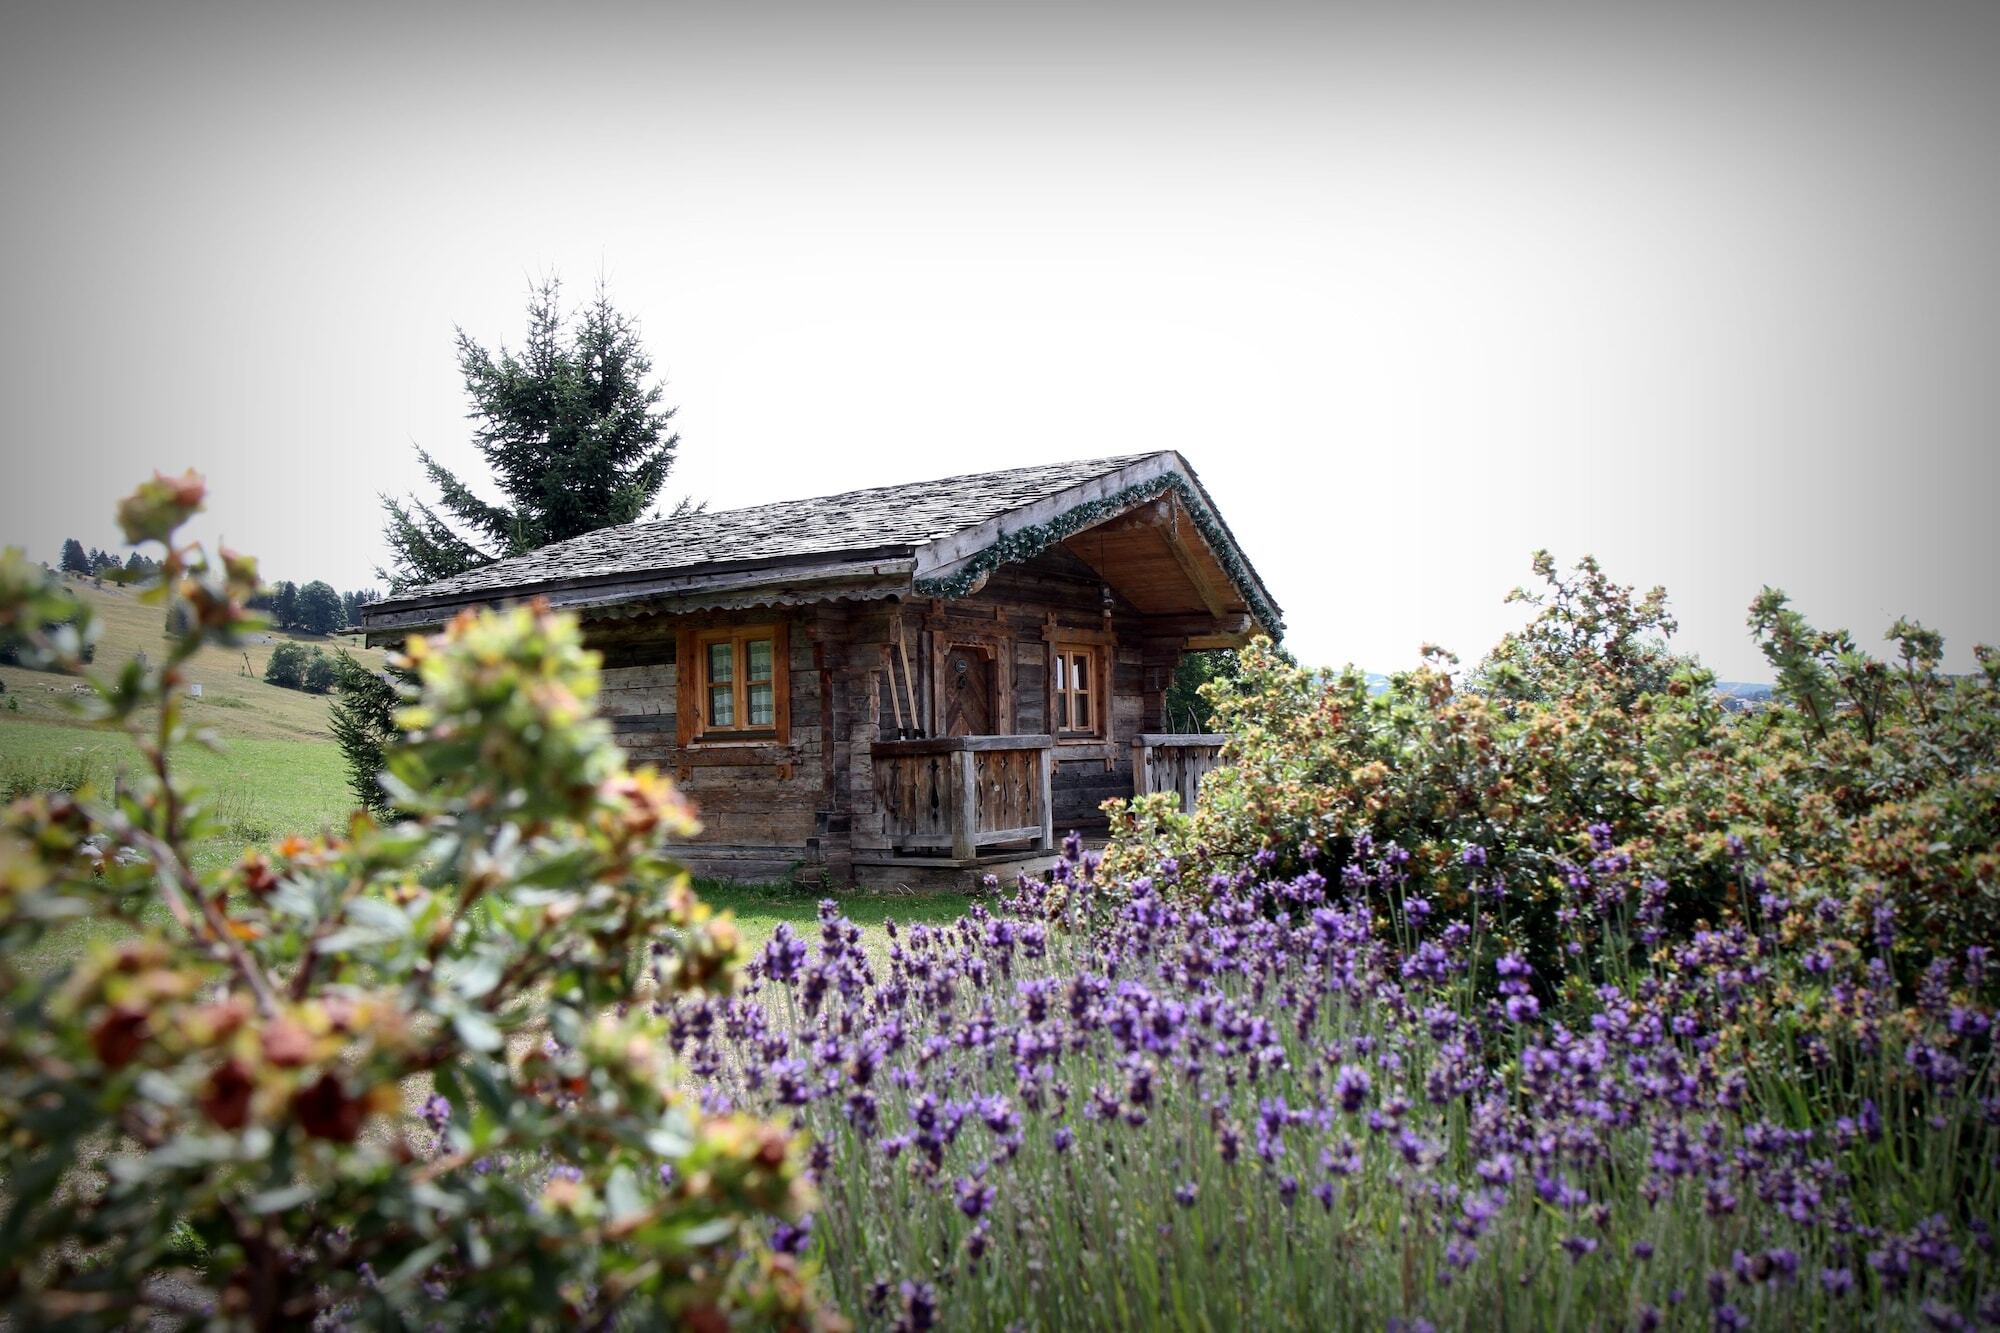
1164,762
960,793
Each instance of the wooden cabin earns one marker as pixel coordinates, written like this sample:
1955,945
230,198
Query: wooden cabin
899,683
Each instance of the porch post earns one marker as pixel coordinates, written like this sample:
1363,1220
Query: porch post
965,819
1045,759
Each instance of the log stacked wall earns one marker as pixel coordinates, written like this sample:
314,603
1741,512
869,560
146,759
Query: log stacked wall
809,806
761,805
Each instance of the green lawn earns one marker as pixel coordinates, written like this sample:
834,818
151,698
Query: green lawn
261,789
760,907
236,702
257,789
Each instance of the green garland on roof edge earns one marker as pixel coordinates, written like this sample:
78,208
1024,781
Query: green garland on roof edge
1028,542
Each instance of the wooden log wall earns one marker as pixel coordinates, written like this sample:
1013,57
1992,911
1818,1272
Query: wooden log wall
760,803
808,806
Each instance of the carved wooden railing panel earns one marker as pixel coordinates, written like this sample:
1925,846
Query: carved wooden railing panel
964,792
1163,762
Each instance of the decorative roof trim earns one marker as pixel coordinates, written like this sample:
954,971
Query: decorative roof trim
1011,545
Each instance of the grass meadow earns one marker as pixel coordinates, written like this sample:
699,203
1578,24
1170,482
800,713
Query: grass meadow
275,769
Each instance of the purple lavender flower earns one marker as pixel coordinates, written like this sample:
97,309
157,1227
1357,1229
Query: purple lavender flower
919,1307
1352,1085
974,1196
787,1238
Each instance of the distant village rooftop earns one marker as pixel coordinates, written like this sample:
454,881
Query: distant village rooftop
937,538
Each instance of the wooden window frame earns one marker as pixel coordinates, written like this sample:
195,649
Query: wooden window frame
1062,651
691,685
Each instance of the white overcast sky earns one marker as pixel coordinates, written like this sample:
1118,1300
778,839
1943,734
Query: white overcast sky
1708,289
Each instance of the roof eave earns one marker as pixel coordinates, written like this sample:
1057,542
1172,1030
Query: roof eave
970,551
801,581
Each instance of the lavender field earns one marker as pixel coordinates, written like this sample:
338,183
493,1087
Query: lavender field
1295,1102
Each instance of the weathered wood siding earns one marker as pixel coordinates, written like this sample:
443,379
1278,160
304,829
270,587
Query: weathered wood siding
759,802
809,806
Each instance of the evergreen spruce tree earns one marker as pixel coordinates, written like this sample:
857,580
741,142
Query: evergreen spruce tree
363,717
571,428
285,605
74,558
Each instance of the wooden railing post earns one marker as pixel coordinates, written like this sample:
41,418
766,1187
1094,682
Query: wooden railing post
1167,762
1045,788
965,818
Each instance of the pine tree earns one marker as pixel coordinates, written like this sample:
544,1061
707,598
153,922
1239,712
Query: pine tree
573,432
352,602
285,605
363,719
74,558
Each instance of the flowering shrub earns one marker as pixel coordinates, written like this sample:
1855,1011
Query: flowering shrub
1867,789
225,1070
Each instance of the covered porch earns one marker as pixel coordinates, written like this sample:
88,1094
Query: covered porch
954,806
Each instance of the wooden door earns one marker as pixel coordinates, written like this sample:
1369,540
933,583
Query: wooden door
968,692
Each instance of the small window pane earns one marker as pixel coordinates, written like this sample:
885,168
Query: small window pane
763,707
721,663
1082,673
759,666
721,706
1082,712
1061,675
1062,712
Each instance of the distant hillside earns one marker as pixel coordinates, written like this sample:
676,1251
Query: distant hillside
235,702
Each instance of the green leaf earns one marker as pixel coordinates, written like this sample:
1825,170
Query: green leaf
709,1232
403,1274
379,915
278,1200
622,1195
430,1196
476,977
476,1030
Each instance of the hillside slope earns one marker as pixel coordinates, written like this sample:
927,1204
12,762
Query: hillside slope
235,702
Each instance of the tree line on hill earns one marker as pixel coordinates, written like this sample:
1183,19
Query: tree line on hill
308,608
313,608
98,564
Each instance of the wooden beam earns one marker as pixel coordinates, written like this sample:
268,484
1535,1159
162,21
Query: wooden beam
1184,626
965,817
1046,788
1185,559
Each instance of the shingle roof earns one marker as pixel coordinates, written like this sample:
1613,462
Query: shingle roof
872,520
